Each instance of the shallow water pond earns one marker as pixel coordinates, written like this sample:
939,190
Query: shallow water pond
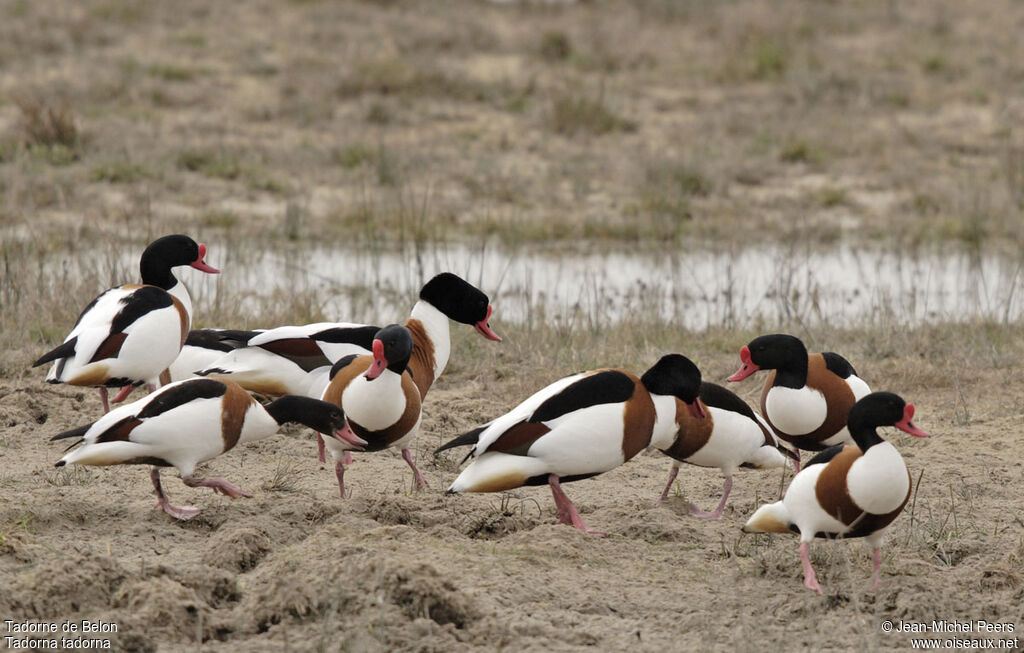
764,285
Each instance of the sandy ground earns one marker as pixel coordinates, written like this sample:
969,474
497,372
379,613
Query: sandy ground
533,122
296,568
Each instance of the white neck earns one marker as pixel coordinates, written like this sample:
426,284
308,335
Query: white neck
436,325
665,427
180,292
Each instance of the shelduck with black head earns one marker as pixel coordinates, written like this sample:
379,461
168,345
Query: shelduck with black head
852,490
131,334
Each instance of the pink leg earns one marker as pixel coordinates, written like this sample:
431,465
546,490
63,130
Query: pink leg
103,398
796,461
878,566
810,580
668,486
183,513
339,471
418,481
320,454
152,387
217,485
567,513
717,514
122,395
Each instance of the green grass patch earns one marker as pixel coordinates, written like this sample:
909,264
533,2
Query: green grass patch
119,172
576,113
219,164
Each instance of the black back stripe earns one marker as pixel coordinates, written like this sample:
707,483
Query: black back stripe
716,396
360,336
838,365
606,387
824,456
182,394
342,363
219,339
141,301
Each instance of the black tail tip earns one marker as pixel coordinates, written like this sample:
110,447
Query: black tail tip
59,463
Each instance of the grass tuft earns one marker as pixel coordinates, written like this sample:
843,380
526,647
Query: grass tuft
575,113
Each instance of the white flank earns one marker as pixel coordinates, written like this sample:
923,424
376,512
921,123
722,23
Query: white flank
878,480
522,412
493,466
583,442
733,441
796,412
191,360
801,503
153,341
183,436
257,367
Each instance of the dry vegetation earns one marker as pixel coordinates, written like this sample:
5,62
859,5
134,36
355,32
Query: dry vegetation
664,125
897,122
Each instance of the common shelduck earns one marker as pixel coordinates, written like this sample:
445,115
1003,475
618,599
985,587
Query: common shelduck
726,434
188,422
131,334
380,400
806,397
203,347
575,428
298,359
847,490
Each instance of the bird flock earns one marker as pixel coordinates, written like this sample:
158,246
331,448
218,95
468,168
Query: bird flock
361,388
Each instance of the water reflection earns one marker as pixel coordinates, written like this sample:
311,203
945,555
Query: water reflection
757,286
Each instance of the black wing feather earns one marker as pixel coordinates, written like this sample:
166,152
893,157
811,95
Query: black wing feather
608,387
73,433
142,301
838,365
64,350
342,363
825,456
219,339
468,438
182,394
361,336
718,397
